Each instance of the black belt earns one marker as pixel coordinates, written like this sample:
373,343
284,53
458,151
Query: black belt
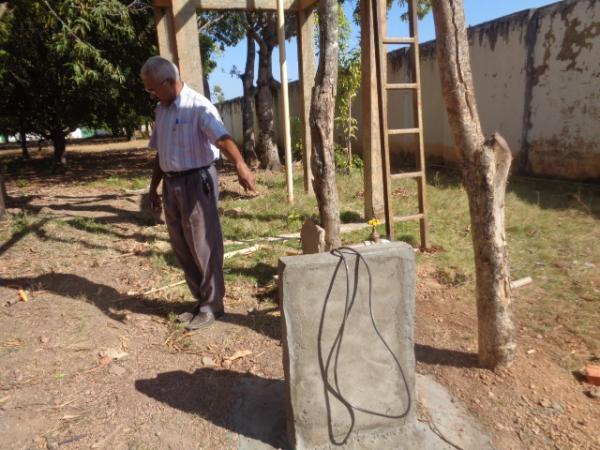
206,180
184,172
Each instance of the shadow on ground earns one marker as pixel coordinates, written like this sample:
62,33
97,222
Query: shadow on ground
241,403
547,193
83,167
444,357
116,305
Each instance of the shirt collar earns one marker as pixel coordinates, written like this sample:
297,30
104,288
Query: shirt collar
182,93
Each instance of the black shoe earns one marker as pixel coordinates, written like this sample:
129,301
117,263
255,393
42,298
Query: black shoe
185,317
203,320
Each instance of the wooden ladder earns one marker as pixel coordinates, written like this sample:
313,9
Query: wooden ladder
378,15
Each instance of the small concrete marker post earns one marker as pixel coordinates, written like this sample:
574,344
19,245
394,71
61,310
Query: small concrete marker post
349,359
312,237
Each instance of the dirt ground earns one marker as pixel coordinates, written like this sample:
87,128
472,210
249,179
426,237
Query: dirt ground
89,362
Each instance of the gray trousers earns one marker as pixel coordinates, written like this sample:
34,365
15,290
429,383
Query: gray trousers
192,217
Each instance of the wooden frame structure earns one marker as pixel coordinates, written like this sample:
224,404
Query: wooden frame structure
177,32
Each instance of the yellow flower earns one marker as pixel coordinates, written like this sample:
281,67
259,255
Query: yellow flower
374,222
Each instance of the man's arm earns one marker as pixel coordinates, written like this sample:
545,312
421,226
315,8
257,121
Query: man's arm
157,176
245,176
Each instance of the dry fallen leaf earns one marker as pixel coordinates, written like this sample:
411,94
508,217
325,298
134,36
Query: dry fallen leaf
69,416
113,353
237,355
105,360
23,296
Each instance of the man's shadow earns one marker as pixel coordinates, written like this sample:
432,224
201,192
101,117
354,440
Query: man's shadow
245,404
116,304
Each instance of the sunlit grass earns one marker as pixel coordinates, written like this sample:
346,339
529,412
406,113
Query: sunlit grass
552,230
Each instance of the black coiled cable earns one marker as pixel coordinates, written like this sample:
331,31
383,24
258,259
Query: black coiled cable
334,352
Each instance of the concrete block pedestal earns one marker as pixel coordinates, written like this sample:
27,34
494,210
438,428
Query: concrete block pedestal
349,354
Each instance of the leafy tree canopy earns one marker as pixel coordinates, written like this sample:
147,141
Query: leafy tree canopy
71,63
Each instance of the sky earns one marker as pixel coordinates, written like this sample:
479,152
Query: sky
476,11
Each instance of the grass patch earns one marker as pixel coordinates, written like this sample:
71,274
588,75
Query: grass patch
90,225
22,223
258,268
21,182
552,231
164,261
115,181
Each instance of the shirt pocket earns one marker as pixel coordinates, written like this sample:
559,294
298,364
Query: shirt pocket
183,135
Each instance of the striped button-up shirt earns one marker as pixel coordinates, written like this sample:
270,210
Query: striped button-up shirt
185,132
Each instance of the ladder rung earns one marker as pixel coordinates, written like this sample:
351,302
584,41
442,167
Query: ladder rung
405,131
398,40
406,218
401,86
397,176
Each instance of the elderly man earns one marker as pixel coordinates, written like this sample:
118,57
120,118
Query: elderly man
188,134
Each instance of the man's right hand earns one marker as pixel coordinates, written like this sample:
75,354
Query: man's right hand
246,178
154,200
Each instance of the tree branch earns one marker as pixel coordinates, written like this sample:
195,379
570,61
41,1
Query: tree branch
210,23
502,157
96,54
257,37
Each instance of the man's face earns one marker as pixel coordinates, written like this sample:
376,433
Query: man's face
164,91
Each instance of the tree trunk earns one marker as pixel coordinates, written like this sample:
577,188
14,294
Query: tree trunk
349,137
248,103
24,149
2,197
267,145
485,168
206,86
23,139
129,132
322,112
59,142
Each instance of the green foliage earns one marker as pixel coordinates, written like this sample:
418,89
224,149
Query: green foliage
296,132
348,83
218,29
218,96
423,7
65,64
343,163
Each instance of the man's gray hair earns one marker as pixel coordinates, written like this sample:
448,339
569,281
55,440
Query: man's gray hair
160,69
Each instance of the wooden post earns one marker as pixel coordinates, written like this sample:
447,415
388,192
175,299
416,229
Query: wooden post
163,18
381,69
418,108
371,144
286,101
188,44
306,55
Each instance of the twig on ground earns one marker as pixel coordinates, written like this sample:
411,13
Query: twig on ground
242,251
152,291
520,282
124,255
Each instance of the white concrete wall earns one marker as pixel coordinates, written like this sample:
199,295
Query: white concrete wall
231,113
563,135
537,82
